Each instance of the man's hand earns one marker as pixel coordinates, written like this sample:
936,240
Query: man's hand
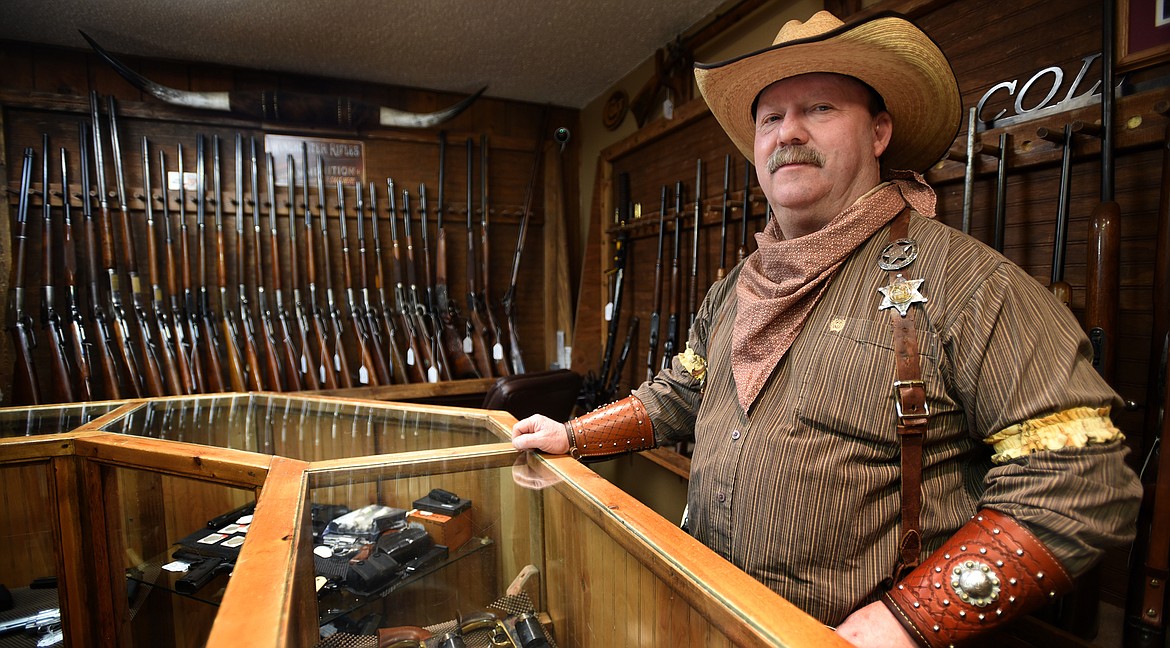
539,432
874,625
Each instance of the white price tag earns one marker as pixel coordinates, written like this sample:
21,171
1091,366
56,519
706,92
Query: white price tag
410,357
432,375
609,311
498,351
363,375
467,345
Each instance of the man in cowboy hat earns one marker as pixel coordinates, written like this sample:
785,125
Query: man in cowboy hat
896,428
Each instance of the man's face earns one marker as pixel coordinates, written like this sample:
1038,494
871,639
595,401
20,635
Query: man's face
816,148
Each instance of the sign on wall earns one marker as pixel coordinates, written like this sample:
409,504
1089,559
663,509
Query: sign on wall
343,160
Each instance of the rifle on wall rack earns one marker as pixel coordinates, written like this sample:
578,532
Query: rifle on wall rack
458,360
324,363
670,346
231,349
693,296
431,315
599,394
495,342
510,296
190,303
79,344
25,388
1059,286
741,252
416,311
340,362
60,372
212,369
475,341
152,376
107,364
385,312
723,220
371,319
121,327
295,364
169,347
656,311
248,338
273,330
372,370
175,320
414,363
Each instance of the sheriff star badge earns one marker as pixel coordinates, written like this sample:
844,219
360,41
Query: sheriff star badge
900,294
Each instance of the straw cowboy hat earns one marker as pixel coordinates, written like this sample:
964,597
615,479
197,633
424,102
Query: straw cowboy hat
886,51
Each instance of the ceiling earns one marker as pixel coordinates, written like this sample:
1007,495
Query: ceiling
564,52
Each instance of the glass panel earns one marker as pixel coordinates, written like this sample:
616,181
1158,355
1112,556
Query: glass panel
28,562
302,428
424,546
30,421
162,525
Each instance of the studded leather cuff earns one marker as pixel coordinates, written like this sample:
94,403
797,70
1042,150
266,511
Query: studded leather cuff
611,429
991,571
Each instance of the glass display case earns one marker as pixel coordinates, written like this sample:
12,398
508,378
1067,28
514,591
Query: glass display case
271,520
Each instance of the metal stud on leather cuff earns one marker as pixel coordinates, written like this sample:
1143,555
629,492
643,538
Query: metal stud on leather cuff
612,429
991,571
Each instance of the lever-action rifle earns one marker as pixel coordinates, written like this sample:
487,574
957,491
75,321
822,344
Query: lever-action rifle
670,347
25,390
176,320
323,364
458,360
723,219
434,324
212,369
152,376
371,320
417,311
117,313
235,365
414,363
340,362
499,358
693,296
475,342
288,350
248,339
107,364
371,371
59,368
274,334
77,337
384,313
166,332
656,313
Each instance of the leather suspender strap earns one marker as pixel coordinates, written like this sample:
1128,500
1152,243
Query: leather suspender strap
912,414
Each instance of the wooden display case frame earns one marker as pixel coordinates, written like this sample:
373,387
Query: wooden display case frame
625,561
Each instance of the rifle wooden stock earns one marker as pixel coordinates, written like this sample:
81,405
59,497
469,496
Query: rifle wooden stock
1103,284
247,340
656,312
120,327
79,344
190,314
320,370
495,341
413,368
417,313
434,323
372,370
268,327
1059,286
152,368
385,314
458,361
231,348
292,361
475,338
169,367
107,366
25,388
212,367
60,373
342,377
370,319
176,320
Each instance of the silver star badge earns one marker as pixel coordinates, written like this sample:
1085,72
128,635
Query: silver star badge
900,294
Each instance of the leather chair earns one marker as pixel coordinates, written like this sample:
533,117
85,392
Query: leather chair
552,393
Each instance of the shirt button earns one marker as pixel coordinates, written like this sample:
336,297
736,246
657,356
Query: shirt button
721,497
734,435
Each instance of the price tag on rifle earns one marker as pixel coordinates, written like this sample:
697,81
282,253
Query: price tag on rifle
410,357
467,345
363,375
608,311
304,364
498,351
432,375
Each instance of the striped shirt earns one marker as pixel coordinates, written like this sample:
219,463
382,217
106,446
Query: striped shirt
802,492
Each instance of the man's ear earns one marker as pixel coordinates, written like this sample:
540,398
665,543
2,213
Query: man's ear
883,130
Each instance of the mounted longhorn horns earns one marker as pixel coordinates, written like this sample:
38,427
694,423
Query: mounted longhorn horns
287,106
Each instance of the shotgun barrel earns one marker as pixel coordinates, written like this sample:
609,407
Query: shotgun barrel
60,370
169,347
79,343
25,388
656,312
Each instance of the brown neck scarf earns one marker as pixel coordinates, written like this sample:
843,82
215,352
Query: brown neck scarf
784,279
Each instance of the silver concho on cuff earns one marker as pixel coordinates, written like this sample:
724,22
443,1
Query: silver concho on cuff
975,583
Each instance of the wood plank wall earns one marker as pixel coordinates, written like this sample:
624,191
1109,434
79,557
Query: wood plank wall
45,90
988,43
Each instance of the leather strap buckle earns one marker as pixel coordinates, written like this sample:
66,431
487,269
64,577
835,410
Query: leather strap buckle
921,409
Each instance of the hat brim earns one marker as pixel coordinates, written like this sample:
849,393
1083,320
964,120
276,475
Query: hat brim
887,52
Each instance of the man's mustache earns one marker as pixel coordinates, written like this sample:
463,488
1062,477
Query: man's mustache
794,155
